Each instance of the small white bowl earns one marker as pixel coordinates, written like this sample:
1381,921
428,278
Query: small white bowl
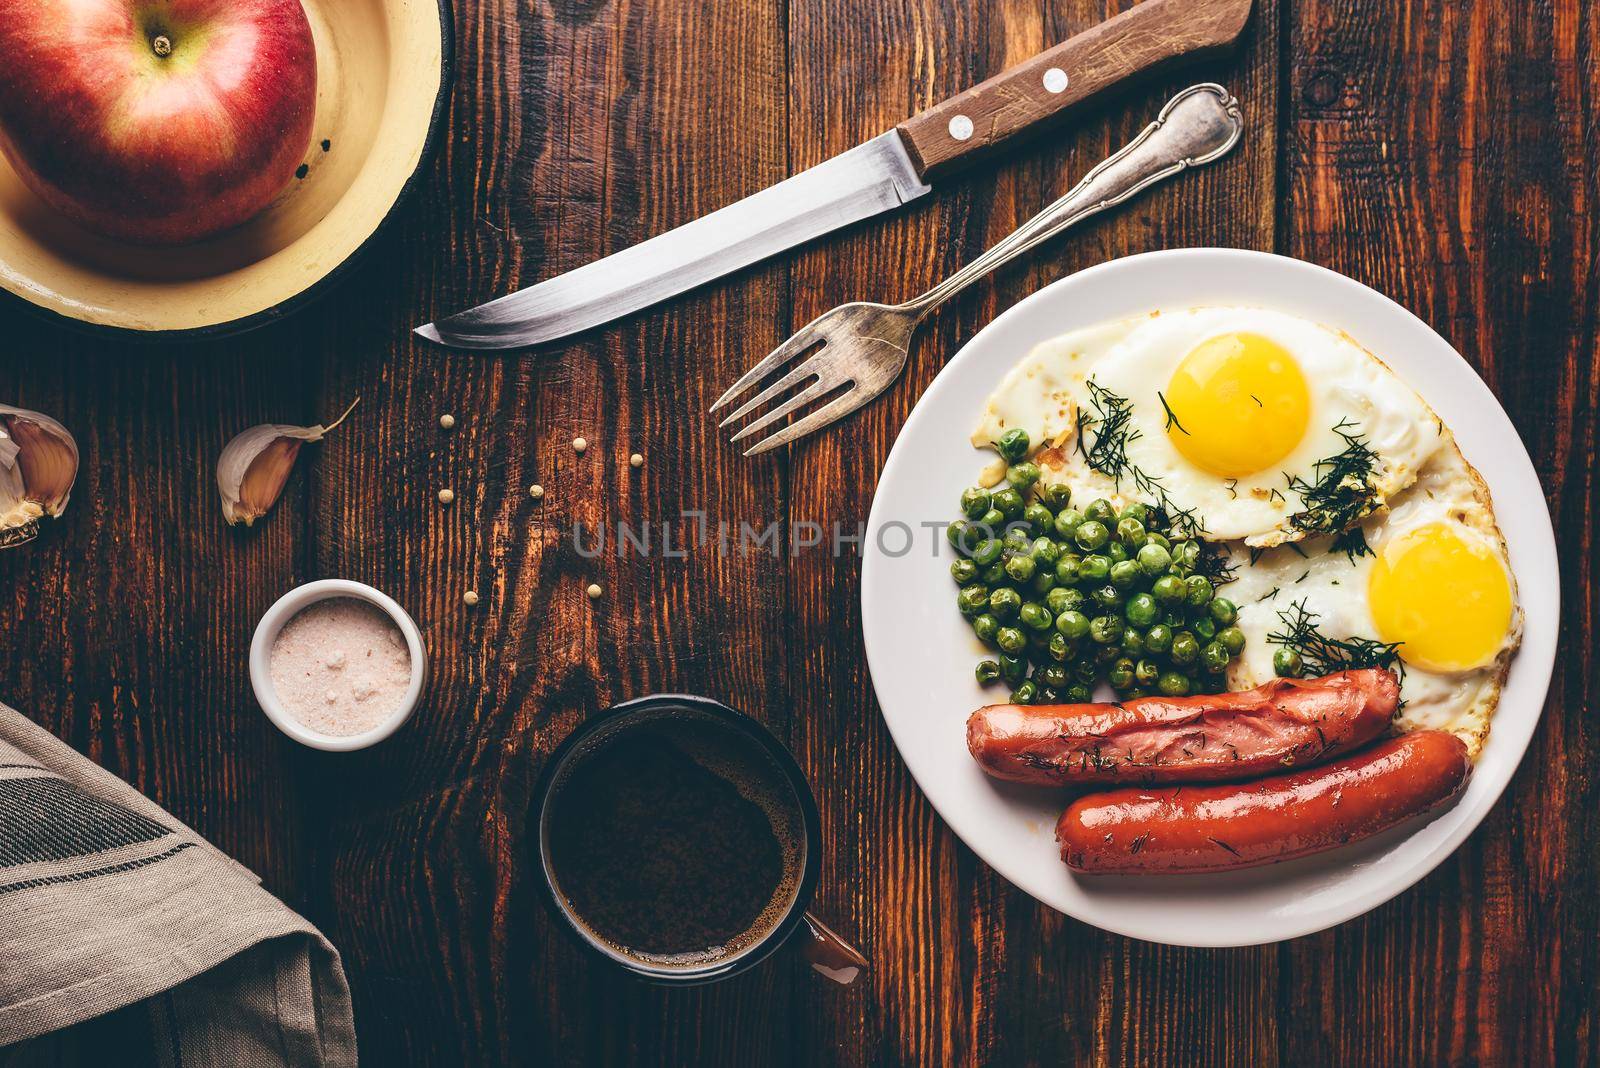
290,605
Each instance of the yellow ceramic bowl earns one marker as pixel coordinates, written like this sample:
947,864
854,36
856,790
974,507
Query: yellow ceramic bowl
382,79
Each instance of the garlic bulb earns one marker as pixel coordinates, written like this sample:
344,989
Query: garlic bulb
38,465
255,465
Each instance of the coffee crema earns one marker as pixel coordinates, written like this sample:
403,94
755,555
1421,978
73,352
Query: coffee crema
675,840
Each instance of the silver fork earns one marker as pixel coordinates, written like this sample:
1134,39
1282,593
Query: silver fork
864,346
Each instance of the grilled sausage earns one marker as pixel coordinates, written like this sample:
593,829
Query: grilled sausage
1220,827
1286,722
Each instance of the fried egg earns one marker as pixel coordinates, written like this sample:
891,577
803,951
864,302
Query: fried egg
1231,414
1434,579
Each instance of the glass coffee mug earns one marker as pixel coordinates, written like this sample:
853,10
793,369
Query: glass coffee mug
678,842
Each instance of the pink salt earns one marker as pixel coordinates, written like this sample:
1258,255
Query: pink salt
341,666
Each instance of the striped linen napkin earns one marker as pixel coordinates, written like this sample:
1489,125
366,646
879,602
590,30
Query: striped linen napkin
124,934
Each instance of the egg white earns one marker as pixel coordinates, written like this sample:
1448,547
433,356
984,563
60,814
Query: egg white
1333,587
1135,358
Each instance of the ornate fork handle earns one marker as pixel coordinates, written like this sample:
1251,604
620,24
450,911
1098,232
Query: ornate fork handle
1198,125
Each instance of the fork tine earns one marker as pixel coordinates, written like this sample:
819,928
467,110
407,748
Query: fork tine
804,371
803,339
811,392
837,408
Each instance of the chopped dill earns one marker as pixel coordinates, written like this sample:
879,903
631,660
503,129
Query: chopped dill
1233,487
1353,543
1108,454
1269,595
1172,417
1257,400
1303,576
1342,492
1322,655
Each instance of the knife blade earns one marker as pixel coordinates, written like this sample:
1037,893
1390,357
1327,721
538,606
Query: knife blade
874,177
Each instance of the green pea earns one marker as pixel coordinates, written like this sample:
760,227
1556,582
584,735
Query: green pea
1055,496
1130,532
1086,671
1067,522
1100,511
1105,630
1287,662
1016,537
1054,676
1117,552
1045,552
1013,444
972,600
1094,569
1141,610
1091,535
956,535
1159,540
1035,616
1013,669
1038,517
1204,629
1158,639
1132,642
1076,694
1137,511
1197,591
1067,568
1025,693
974,502
988,552
1008,502
963,571
1188,553
1020,568
1107,597
1022,475
1121,674
1011,640
1214,657
986,627
987,672
1105,654
1047,695
1060,648
1173,684
1153,559
1232,639
1005,603
1185,649
1072,623
1124,574
993,575
1043,582
1168,589
993,522
1224,611
1146,672
1062,598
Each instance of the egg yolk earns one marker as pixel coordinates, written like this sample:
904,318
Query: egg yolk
1446,597
1239,404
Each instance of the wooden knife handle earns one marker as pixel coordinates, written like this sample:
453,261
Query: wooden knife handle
1141,41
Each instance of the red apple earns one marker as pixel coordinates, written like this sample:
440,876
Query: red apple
156,121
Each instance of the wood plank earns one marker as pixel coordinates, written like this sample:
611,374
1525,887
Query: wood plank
968,969
1445,154
580,128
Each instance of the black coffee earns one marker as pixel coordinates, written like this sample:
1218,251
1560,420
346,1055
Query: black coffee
676,840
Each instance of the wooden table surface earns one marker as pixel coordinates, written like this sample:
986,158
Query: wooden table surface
1442,152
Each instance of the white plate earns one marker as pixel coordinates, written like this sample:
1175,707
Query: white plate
921,652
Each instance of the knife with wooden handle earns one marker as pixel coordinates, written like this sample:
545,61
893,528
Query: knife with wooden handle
873,177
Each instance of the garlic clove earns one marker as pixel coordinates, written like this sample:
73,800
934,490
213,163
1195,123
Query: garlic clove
38,466
255,466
